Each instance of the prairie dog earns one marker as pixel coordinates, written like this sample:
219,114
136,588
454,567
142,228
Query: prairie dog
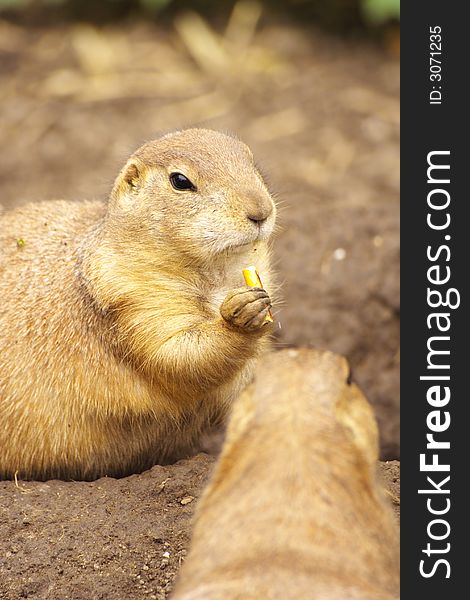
293,509
126,327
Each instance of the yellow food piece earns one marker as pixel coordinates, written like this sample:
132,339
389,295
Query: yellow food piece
252,279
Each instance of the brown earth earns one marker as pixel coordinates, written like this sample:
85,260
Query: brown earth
321,115
111,539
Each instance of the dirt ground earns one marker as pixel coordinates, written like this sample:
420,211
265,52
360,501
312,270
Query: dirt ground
322,117
112,539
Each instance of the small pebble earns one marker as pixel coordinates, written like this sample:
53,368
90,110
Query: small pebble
339,254
377,241
186,500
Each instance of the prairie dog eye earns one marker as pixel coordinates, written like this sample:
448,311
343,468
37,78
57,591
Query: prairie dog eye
181,182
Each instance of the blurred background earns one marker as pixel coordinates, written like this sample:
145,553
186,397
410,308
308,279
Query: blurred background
312,86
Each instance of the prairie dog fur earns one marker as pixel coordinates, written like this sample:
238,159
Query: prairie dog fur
125,327
293,509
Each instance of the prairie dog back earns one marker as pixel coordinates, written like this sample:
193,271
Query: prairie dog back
293,508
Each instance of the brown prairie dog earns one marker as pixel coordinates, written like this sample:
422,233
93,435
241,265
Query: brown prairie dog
126,328
293,509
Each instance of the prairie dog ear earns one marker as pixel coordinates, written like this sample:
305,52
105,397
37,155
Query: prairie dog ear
132,175
128,183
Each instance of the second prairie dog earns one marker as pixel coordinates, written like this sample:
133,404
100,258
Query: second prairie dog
293,509
126,328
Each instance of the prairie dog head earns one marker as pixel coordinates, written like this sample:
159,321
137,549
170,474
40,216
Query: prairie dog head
295,492
197,188
316,387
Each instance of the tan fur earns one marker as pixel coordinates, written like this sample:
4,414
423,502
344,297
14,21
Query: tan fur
293,509
114,354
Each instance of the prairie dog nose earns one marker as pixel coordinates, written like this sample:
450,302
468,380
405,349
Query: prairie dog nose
258,209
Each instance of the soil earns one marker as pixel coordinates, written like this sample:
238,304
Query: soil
322,117
111,539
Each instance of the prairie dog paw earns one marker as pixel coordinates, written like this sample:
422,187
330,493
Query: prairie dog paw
246,308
